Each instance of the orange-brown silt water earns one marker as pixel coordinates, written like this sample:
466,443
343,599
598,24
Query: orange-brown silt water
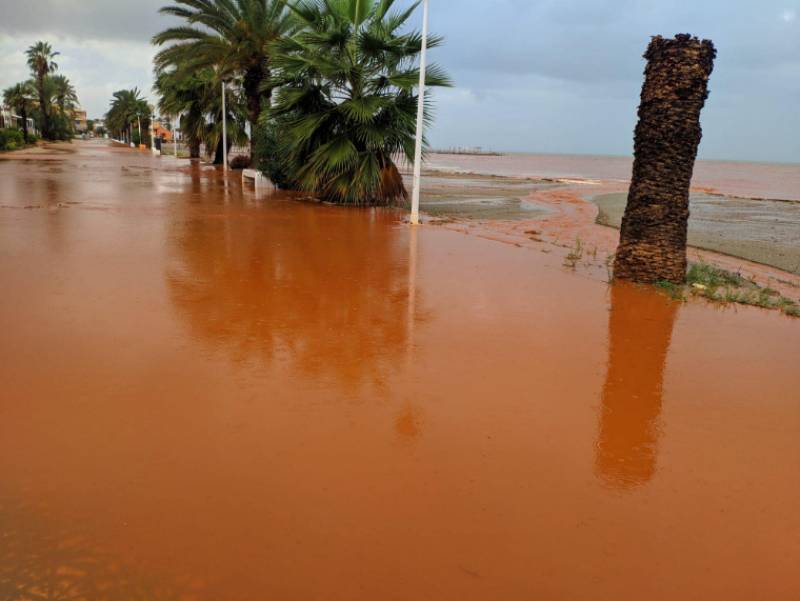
208,395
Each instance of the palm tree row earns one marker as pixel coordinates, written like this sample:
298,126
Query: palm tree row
47,97
196,97
336,78
128,108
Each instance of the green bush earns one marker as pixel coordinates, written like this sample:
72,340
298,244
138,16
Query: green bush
61,127
11,139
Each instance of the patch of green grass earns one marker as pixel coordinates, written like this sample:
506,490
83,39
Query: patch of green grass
720,285
712,276
792,310
673,290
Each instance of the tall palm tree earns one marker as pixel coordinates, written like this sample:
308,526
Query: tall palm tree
19,97
230,36
347,98
127,107
236,117
196,97
64,94
184,94
41,62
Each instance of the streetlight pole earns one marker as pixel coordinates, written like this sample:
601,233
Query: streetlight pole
420,117
224,132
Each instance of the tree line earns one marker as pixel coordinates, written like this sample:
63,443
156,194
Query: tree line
326,88
47,97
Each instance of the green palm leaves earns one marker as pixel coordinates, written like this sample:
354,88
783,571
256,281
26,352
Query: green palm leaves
328,86
62,92
127,107
20,98
230,37
41,62
41,59
346,98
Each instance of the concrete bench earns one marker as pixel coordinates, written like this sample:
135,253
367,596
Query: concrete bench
259,180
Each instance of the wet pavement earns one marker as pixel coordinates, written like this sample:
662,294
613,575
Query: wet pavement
210,395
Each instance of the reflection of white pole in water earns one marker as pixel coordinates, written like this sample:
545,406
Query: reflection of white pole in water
420,117
224,132
412,294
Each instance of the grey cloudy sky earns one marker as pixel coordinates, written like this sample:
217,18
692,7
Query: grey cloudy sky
531,75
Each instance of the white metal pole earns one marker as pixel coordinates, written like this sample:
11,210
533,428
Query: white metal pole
420,117
141,139
224,132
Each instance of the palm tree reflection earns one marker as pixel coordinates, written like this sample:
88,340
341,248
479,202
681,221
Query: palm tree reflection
41,560
324,289
640,331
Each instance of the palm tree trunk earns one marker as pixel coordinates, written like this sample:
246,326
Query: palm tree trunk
219,156
194,149
652,243
24,115
43,107
392,190
253,79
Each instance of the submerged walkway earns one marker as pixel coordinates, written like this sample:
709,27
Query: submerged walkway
208,395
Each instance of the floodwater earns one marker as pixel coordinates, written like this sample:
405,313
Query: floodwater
212,396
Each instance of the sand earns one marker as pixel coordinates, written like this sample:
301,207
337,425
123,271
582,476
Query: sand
763,231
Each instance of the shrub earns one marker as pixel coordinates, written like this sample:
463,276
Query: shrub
11,139
61,127
240,162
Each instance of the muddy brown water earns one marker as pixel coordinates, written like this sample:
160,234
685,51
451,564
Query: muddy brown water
208,395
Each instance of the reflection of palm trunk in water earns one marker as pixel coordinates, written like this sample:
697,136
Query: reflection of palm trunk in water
640,331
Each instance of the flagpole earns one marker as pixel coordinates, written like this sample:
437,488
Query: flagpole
420,117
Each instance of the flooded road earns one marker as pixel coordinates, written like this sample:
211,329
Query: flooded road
211,396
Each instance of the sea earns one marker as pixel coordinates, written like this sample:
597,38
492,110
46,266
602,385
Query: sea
774,181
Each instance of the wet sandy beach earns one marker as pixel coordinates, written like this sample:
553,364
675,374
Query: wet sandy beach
765,231
757,238
210,395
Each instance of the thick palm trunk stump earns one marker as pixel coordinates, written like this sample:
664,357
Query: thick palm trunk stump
652,244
